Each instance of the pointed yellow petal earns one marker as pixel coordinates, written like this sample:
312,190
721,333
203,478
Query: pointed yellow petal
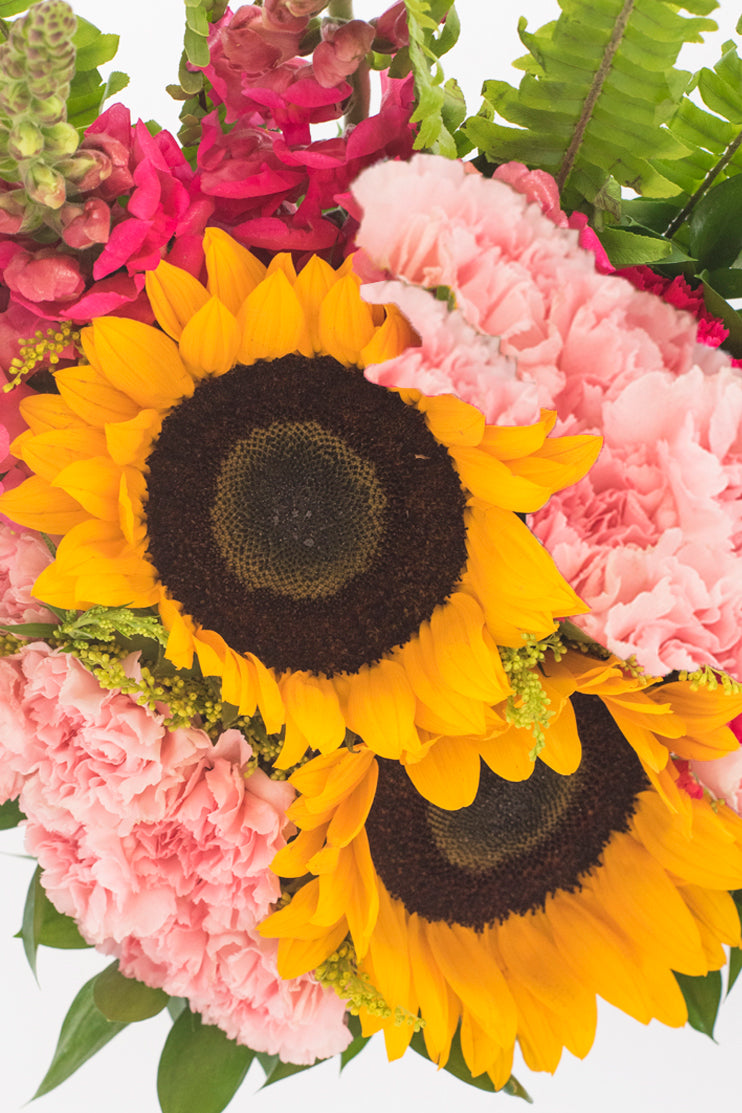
140,361
292,860
48,453
43,412
452,421
91,396
351,814
210,340
470,967
313,283
313,710
448,775
508,753
345,322
466,658
233,271
381,709
129,442
175,297
560,461
283,263
38,505
269,697
562,751
180,645
95,484
299,956
438,1005
711,858
391,338
270,320
489,479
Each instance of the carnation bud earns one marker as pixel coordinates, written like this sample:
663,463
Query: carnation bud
45,185
25,141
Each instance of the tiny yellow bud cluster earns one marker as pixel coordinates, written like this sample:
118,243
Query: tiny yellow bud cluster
529,706
43,349
340,973
707,677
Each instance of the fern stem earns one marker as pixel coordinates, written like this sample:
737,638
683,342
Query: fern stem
680,219
619,30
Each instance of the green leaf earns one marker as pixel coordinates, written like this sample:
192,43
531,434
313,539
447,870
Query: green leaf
117,80
356,1046
721,308
13,7
437,105
33,917
716,225
196,47
10,815
735,965
627,249
702,996
175,1006
84,1031
57,930
285,1070
101,49
125,999
200,1068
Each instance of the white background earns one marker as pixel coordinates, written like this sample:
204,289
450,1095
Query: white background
645,1070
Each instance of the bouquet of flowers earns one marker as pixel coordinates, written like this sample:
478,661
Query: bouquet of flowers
371,540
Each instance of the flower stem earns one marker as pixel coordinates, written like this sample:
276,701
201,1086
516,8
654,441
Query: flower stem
340,9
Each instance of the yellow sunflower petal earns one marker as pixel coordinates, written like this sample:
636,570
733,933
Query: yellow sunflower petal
448,775
175,297
381,709
210,340
346,323
43,412
711,858
475,976
48,453
293,860
139,361
451,421
129,442
37,505
233,271
491,480
270,320
315,279
438,1004
312,713
559,461
95,484
391,338
92,398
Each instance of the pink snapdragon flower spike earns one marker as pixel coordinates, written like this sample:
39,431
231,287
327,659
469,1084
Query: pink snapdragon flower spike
651,538
271,182
158,843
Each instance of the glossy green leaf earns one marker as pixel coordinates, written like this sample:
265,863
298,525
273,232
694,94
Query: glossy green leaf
721,308
716,225
702,996
125,999
175,1006
13,7
196,47
735,965
84,1032
627,249
10,815
285,1070
200,1068
117,80
57,930
33,917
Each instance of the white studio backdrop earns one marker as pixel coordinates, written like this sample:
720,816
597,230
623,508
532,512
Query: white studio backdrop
631,1067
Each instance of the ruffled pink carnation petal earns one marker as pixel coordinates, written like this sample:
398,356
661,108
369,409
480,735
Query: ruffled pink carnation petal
652,537
23,556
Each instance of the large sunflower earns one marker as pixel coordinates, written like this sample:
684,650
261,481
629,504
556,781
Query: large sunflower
342,556
510,915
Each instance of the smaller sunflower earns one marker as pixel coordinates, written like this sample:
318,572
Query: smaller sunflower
593,875
341,556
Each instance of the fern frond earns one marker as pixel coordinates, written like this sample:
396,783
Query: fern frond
440,106
598,90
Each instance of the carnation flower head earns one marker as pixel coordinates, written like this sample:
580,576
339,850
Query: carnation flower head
652,537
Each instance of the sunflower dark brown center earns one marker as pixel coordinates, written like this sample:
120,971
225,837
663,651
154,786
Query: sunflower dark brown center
518,842
305,514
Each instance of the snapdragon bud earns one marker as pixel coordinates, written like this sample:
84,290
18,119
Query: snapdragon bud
45,184
25,141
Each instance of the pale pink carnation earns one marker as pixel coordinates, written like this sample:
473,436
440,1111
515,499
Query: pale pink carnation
652,537
159,843
23,556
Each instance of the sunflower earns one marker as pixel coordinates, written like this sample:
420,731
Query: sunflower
506,918
341,556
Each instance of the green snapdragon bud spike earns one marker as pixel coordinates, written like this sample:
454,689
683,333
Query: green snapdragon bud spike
38,147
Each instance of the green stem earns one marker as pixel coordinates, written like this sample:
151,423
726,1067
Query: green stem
690,205
340,9
359,101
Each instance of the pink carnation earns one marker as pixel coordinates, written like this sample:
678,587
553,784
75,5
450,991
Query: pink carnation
652,537
159,844
23,556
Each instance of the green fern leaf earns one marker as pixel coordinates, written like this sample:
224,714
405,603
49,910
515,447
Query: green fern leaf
440,107
598,90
